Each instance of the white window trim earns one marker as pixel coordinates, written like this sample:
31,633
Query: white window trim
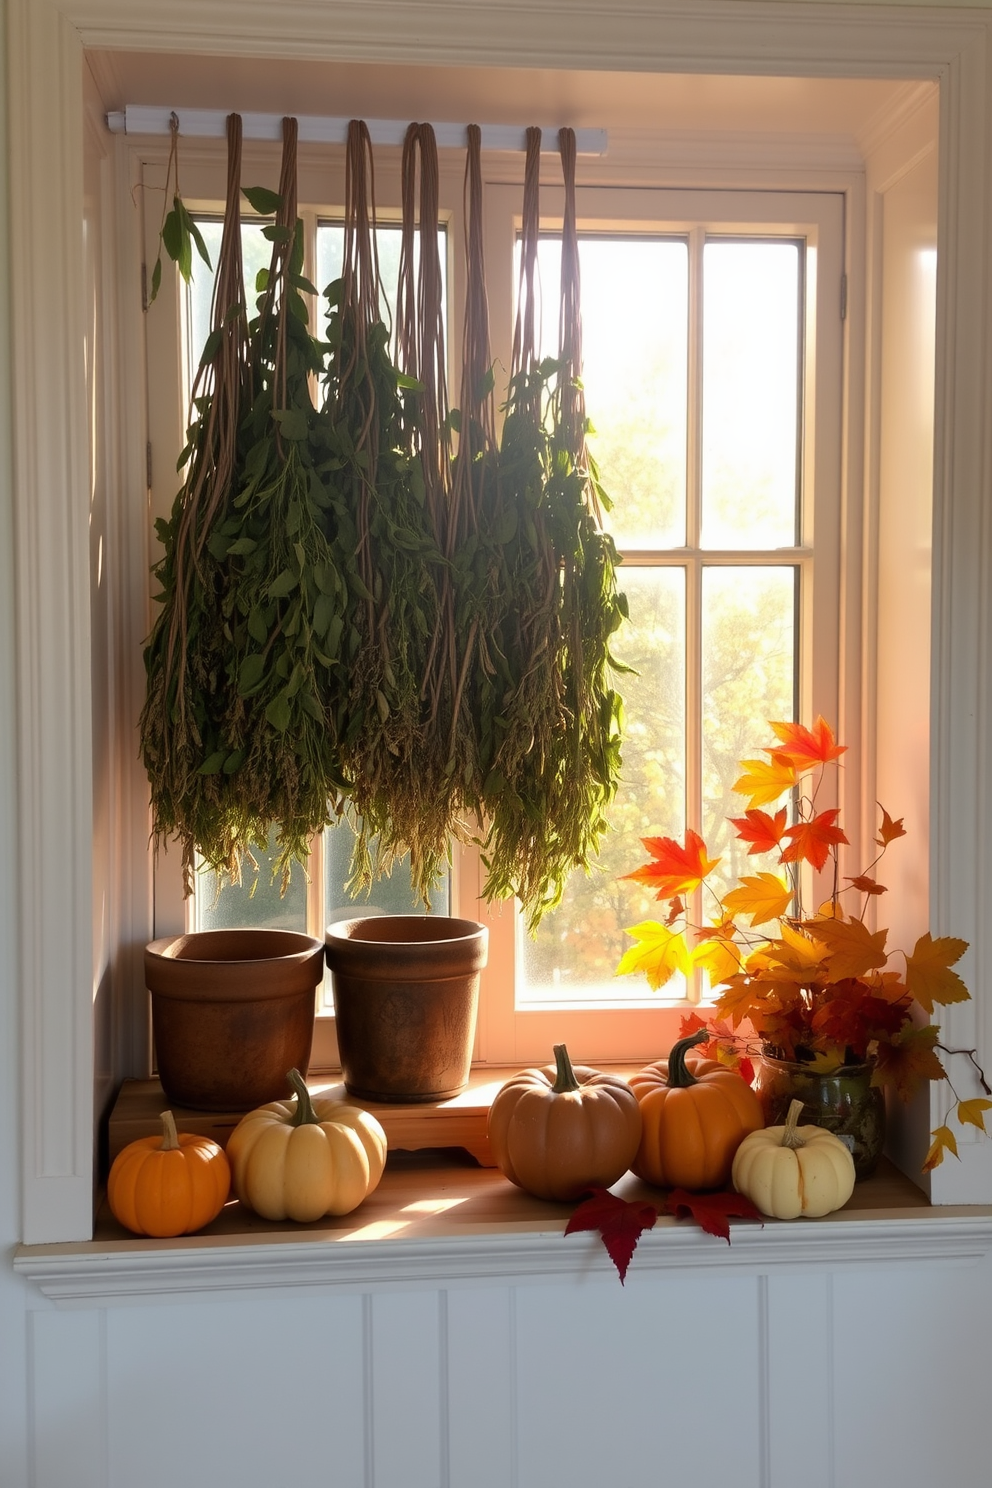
50,459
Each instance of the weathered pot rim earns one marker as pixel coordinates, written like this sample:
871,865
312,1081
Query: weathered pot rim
384,947
286,963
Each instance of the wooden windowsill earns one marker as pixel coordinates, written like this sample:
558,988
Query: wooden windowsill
439,1218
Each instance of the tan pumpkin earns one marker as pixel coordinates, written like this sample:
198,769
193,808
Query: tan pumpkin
695,1114
791,1170
556,1132
167,1185
301,1159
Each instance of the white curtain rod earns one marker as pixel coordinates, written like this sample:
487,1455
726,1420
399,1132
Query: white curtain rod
313,129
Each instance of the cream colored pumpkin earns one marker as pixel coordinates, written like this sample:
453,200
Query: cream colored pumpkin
791,1170
306,1158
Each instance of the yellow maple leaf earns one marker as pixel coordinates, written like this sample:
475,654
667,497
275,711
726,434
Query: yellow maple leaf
943,1141
928,974
852,949
764,897
718,958
970,1111
804,952
660,953
764,781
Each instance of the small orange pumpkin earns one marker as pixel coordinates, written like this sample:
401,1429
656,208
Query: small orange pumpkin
556,1132
695,1116
168,1185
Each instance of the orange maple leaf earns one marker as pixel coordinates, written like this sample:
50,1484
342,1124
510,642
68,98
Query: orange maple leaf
809,747
867,885
889,830
908,1061
764,781
675,870
852,949
943,1141
762,831
764,898
812,840
928,974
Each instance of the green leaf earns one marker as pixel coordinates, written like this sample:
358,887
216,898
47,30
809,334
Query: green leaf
261,281
279,712
214,763
234,761
242,546
286,582
156,279
262,200
201,246
292,422
323,613
251,673
212,346
172,235
276,233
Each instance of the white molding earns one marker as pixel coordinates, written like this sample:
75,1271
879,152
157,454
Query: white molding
51,464
121,1273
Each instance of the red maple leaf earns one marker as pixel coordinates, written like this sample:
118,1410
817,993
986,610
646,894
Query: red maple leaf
620,1222
762,831
808,747
675,870
812,840
711,1211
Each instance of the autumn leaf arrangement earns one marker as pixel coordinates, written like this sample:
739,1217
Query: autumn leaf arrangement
820,988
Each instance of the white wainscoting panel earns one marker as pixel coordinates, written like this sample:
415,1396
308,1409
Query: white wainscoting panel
482,1405
799,1324
408,1365
67,1411
259,1394
912,1364
655,1382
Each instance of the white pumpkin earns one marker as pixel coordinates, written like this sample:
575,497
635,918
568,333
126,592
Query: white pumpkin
788,1171
306,1158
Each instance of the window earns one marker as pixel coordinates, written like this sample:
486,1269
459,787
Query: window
712,373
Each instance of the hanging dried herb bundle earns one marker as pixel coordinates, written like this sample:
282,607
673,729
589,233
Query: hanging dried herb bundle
287,599
182,721
377,488
557,765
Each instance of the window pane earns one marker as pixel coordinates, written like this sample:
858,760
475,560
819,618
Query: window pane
257,901
749,677
389,895
576,951
635,307
256,252
751,343
330,262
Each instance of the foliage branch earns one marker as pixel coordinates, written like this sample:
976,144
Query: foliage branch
823,988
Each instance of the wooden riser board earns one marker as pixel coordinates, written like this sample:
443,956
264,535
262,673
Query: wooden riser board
459,1122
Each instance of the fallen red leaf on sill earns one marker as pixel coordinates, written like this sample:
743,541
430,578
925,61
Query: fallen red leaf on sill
620,1222
711,1211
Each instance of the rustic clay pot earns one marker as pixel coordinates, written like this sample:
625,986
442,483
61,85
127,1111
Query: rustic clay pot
406,995
232,1012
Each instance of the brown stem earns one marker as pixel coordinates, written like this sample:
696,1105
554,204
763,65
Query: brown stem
679,1077
790,1137
304,1115
170,1137
565,1080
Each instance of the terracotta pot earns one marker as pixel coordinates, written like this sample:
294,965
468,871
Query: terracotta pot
406,995
232,1012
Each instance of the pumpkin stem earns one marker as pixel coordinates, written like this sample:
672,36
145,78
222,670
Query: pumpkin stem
565,1076
790,1137
170,1137
679,1077
304,1115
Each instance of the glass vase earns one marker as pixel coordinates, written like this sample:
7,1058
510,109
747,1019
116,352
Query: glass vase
845,1103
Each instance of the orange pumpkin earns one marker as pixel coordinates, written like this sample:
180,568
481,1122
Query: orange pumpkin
695,1115
556,1132
168,1185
